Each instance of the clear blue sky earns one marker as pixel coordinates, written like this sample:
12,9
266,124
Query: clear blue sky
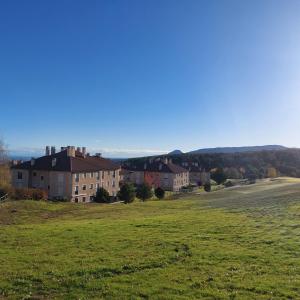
140,77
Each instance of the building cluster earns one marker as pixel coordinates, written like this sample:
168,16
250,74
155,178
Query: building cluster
75,175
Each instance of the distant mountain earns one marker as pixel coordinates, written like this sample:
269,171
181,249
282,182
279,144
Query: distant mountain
175,152
238,149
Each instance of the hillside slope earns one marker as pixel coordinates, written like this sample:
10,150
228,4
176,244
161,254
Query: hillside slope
237,243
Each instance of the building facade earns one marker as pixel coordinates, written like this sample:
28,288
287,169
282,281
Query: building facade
70,174
198,175
156,173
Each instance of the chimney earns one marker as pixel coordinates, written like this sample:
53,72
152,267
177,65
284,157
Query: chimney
62,148
32,162
47,151
84,151
53,150
98,154
71,151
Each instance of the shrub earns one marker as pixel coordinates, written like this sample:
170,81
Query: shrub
144,192
28,194
159,193
207,187
228,183
219,176
102,196
127,193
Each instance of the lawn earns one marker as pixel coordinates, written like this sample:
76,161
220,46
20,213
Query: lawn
237,243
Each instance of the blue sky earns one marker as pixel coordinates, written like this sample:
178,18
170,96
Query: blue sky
130,78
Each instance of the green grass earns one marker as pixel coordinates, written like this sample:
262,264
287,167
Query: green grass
236,243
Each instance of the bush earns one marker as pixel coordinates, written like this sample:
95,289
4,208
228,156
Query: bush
144,192
207,187
102,196
219,176
28,194
159,193
127,193
228,183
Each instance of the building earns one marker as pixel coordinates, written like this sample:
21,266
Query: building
70,174
159,172
198,175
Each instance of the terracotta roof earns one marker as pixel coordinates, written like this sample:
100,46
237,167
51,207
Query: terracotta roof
69,164
155,167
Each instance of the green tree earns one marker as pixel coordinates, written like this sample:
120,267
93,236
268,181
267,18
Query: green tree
159,193
102,196
144,192
219,176
207,187
127,193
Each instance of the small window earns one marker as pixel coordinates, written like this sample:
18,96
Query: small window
114,174
48,187
34,174
103,174
98,175
107,183
76,200
84,187
77,177
92,175
91,198
83,199
20,175
84,175
113,184
91,186
76,190
42,178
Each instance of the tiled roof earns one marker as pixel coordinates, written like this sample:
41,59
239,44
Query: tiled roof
155,167
69,164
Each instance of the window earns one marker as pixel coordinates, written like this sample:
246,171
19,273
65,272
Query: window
34,174
114,174
84,175
83,199
103,174
113,184
98,175
20,175
97,186
42,177
91,186
48,187
76,190
84,187
77,177
91,198
92,175
107,183
76,200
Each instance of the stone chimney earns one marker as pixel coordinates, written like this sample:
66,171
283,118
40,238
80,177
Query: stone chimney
71,151
84,151
47,151
53,150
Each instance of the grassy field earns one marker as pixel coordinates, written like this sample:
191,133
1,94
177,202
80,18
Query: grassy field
237,243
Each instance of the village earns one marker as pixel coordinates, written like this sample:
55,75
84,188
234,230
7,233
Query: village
73,174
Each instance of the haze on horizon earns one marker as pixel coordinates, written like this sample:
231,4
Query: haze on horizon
134,78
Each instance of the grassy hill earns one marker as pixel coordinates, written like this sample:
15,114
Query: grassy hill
240,243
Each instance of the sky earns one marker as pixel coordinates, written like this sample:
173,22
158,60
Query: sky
131,78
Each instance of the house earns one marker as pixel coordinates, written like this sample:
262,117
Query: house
159,172
69,174
198,175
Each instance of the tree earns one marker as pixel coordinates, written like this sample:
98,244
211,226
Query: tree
159,193
127,193
219,176
144,192
4,168
207,187
102,196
